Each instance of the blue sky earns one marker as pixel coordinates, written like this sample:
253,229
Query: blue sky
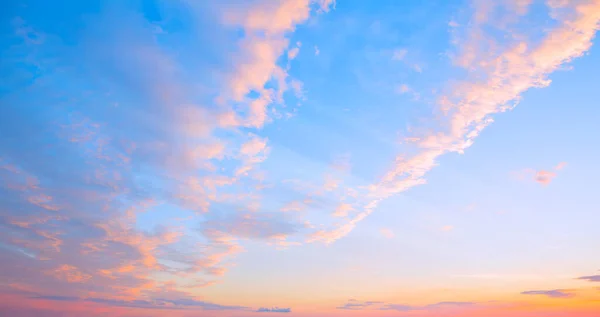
289,156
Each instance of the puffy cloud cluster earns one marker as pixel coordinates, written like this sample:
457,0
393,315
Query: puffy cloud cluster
114,150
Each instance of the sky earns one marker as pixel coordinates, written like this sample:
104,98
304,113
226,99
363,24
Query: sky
309,158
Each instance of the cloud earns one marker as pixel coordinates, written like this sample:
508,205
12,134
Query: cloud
146,152
436,306
499,72
357,305
274,310
557,293
292,53
156,303
387,233
560,166
544,177
137,146
402,89
330,183
69,273
342,210
251,225
266,25
376,305
591,278
447,228
326,5
399,54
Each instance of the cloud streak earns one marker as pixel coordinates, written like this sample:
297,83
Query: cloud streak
377,305
497,79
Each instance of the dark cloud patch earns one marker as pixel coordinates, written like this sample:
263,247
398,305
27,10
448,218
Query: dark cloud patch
556,293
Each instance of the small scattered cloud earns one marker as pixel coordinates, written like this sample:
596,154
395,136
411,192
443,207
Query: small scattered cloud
342,210
436,306
353,304
544,177
560,166
292,53
150,303
317,51
447,228
590,278
399,54
274,310
557,293
331,183
326,5
403,89
388,233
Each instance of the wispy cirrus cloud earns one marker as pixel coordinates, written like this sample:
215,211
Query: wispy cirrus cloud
353,304
499,72
377,305
179,303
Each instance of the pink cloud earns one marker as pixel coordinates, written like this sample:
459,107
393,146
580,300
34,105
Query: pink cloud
560,166
342,210
544,177
509,70
447,228
388,233
69,273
